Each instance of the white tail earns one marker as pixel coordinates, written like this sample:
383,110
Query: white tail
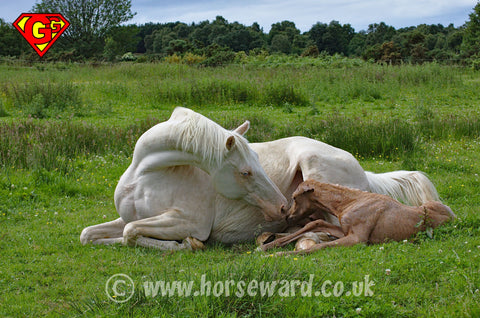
409,187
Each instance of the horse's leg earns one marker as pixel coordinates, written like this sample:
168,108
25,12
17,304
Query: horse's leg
104,233
163,231
314,226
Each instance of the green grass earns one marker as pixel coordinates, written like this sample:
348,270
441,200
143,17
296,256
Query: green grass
58,175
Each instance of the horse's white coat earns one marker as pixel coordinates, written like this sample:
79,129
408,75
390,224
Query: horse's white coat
184,181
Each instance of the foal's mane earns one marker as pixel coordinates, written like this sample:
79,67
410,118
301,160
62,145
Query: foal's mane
203,137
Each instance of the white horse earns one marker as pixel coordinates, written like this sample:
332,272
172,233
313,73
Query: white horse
179,169
192,180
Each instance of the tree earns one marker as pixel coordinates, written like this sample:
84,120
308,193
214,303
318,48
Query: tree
11,42
471,36
281,43
332,38
356,46
283,36
379,33
120,40
90,21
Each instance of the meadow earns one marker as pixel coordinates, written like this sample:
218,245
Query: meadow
67,133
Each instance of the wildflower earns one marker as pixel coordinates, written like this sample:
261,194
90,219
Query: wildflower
358,310
388,271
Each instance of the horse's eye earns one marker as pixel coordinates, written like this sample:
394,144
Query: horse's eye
246,173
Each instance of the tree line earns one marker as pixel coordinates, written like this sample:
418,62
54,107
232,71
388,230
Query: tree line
223,39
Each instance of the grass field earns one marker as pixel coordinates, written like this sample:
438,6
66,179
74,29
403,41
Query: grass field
67,133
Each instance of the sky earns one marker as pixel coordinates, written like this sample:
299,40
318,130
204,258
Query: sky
304,13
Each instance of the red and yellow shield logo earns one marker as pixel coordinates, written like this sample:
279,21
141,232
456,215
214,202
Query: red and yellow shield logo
41,30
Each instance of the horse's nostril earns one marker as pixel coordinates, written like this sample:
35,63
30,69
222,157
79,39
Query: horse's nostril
282,209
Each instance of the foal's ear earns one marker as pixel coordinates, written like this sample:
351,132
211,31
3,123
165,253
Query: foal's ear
306,188
230,142
243,128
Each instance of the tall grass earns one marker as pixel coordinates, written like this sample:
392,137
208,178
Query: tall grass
37,91
409,97
430,123
44,99
49,144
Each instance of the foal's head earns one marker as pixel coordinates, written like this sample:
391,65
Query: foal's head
303,203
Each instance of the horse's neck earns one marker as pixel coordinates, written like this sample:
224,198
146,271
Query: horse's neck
156,149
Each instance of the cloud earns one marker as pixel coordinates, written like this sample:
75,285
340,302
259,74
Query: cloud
305,13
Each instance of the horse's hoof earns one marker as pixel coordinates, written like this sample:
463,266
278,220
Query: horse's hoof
194,244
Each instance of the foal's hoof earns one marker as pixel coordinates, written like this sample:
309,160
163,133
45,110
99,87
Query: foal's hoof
304,244
265,237
324,237
193,244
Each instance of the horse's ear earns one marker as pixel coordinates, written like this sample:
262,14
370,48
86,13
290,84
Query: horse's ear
243,128
230,142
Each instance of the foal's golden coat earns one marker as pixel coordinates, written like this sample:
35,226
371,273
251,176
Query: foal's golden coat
364,217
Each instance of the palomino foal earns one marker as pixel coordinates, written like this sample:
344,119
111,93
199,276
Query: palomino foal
364,217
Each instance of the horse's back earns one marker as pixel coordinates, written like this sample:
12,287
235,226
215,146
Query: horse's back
314,159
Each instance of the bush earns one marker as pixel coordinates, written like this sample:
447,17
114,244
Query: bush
476,63
44,100
174,59
280,94
128,57
3,112
218,56
192,59
311,51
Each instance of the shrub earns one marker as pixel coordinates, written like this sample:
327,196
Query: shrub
128,57
279,94
191,59
3,112
311,51
174,59
218,56
44,100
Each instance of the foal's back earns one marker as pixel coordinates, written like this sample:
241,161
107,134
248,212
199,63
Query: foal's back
399,221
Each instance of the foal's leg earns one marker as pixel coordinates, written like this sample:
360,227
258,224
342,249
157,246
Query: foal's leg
163,231
348,240
357,233
104,233
314,226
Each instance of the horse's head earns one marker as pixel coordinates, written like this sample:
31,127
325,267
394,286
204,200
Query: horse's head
241,177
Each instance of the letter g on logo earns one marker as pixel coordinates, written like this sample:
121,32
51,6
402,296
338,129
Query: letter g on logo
119,288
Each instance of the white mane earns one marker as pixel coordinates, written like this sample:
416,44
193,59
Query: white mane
203,137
